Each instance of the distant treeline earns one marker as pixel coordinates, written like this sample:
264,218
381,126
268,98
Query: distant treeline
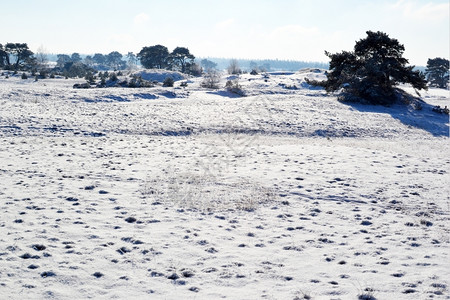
267,64
249,64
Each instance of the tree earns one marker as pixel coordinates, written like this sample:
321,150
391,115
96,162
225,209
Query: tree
194,69
253,66
181,57
371,71
89,61
62,60
207,64
114,60
99,59
154,57
76,57
3,57
131,60
438,72
19,52
41,58
234,68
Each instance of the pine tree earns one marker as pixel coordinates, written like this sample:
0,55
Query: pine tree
438,72
372,71
154,57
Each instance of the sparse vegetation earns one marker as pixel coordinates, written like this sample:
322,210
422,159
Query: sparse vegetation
234,87
234,68
168,82
211,79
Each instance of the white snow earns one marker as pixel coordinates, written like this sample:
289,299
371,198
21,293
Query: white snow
159,75
285,193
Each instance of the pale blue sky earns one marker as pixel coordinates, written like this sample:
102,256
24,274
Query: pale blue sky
283,29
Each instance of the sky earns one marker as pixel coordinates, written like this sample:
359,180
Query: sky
252,29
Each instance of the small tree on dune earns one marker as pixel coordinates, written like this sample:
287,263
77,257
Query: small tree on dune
372,71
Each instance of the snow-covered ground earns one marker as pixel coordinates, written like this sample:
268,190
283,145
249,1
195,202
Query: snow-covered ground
188,193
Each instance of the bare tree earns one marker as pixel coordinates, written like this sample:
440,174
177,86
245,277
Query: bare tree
234,68
41,58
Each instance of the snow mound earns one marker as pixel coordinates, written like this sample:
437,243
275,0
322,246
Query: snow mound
159,75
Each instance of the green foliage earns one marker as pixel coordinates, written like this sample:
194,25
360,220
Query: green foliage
181,58
22,56
114,60
76,57
371,72
76,70
154,57
438,72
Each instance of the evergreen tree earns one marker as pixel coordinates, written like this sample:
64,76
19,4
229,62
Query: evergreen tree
438,72
207,64
21,54
372,70
3,57
181,58
131,60
154,57
114,60
62,60
99,59
76,57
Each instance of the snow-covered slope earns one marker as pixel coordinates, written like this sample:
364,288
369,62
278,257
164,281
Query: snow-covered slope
166,193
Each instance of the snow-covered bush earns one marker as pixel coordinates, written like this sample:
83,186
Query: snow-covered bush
168,82
234,87
211,79
234,68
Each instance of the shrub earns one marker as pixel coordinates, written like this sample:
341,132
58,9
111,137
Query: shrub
113,77
43,74
168,82
81,85
234,87
211,79
234,68
90,78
